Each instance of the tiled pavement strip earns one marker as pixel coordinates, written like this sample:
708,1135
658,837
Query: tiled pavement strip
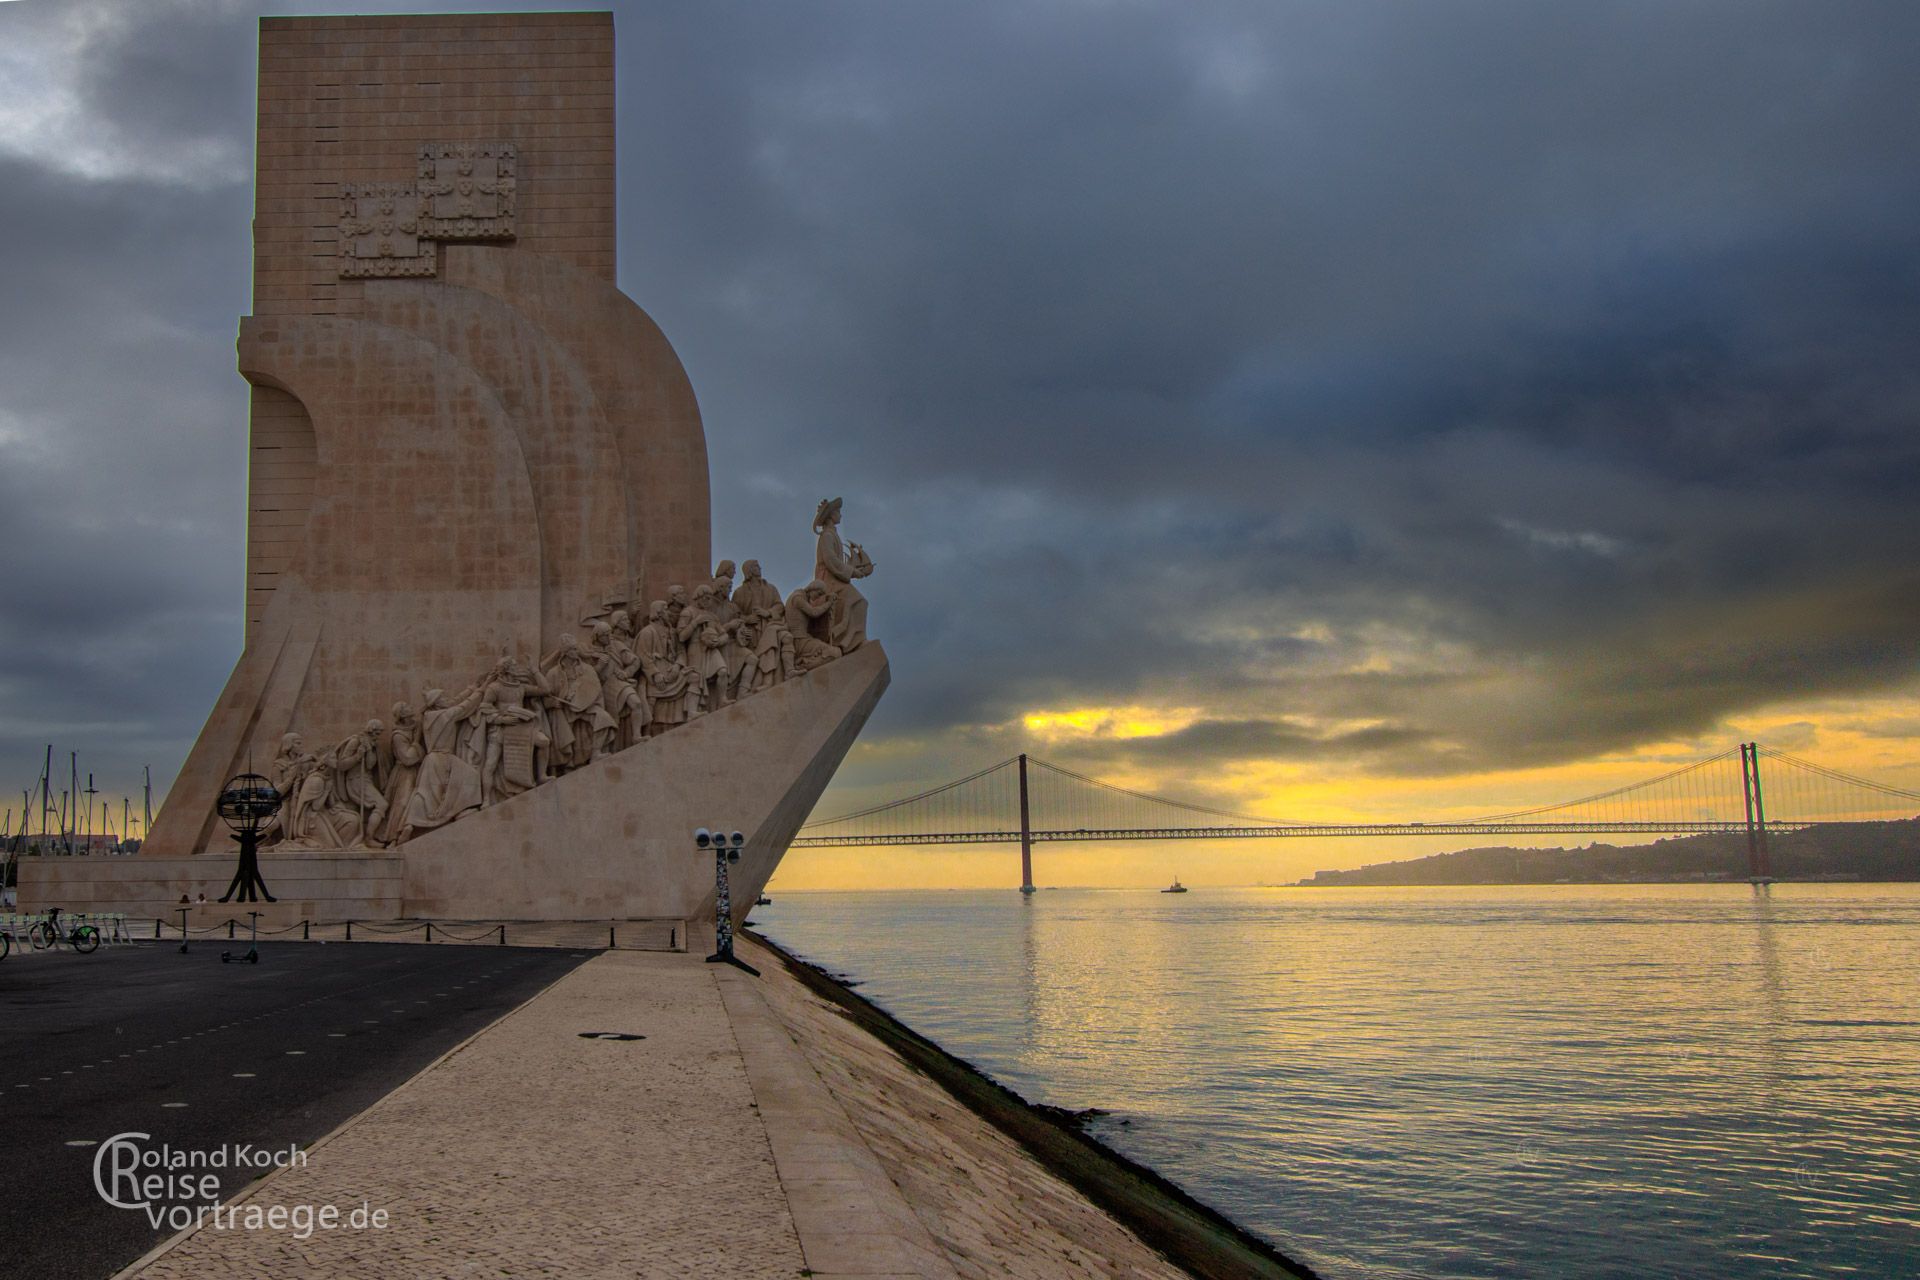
753,1133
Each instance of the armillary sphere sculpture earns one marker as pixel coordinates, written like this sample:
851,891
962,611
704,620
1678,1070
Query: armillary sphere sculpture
245,803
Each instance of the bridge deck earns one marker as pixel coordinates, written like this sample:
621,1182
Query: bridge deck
1293,831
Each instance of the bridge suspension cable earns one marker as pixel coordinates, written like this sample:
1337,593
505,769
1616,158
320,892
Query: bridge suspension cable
1024,799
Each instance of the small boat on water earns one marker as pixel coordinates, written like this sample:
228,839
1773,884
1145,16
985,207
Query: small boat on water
1175,887
764,902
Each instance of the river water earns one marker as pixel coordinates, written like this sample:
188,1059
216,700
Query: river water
1563,1081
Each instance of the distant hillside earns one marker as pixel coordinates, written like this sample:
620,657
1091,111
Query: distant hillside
1851,851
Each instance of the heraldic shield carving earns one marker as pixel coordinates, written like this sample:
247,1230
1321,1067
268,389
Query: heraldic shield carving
468,188
380,231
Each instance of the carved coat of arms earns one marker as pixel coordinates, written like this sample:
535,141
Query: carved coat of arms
381,232
469,190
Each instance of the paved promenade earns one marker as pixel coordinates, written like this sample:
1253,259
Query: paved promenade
753,1132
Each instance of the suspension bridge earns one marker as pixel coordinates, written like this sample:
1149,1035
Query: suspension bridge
1026,800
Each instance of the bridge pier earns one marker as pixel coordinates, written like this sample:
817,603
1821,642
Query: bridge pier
1026,832
1759,861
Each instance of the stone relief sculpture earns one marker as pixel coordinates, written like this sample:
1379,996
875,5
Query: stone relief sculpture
468,190
380,232
521,723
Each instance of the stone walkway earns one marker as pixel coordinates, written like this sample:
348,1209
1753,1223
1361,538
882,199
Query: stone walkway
754,1132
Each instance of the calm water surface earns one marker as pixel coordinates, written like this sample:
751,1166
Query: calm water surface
1567,1081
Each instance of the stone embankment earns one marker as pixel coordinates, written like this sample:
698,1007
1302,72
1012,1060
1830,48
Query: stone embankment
769,1127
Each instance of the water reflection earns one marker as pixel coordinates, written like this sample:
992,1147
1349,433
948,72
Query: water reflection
1566,1081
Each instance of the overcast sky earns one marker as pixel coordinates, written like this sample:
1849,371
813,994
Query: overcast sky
1363,406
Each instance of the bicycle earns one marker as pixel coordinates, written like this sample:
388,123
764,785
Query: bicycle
83,938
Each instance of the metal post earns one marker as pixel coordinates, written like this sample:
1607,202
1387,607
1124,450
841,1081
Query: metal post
723,853
46,797
429,931
1026,832
349,931
306,934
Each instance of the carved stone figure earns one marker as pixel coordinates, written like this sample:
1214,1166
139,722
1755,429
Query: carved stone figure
722,581
677,604
516,756
291,764
449,781
773,658
359,809
703,641
810,621
619,669
835,567
754,592
670,686
621,624
577,718
402,756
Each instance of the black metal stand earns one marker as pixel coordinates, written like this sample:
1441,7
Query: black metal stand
246,877
723,916
183,930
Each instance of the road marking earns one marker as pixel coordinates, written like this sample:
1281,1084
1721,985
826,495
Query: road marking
173,1106
84,1142
295,1053
336,1035
243,1075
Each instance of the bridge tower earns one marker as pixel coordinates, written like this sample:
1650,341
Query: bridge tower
1026,832
1759,861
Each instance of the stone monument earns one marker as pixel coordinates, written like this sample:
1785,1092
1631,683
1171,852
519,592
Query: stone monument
478,504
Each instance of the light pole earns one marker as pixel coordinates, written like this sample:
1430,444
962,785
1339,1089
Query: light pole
726,849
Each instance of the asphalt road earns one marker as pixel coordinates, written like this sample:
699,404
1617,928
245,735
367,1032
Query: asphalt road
202,1055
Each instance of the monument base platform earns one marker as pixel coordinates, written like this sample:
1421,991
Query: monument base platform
308,886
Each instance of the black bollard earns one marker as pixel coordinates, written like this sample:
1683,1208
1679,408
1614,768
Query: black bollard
230,927
304,934
611,944
349,931
429,931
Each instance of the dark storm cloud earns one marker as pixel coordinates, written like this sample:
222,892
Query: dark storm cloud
1523,381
